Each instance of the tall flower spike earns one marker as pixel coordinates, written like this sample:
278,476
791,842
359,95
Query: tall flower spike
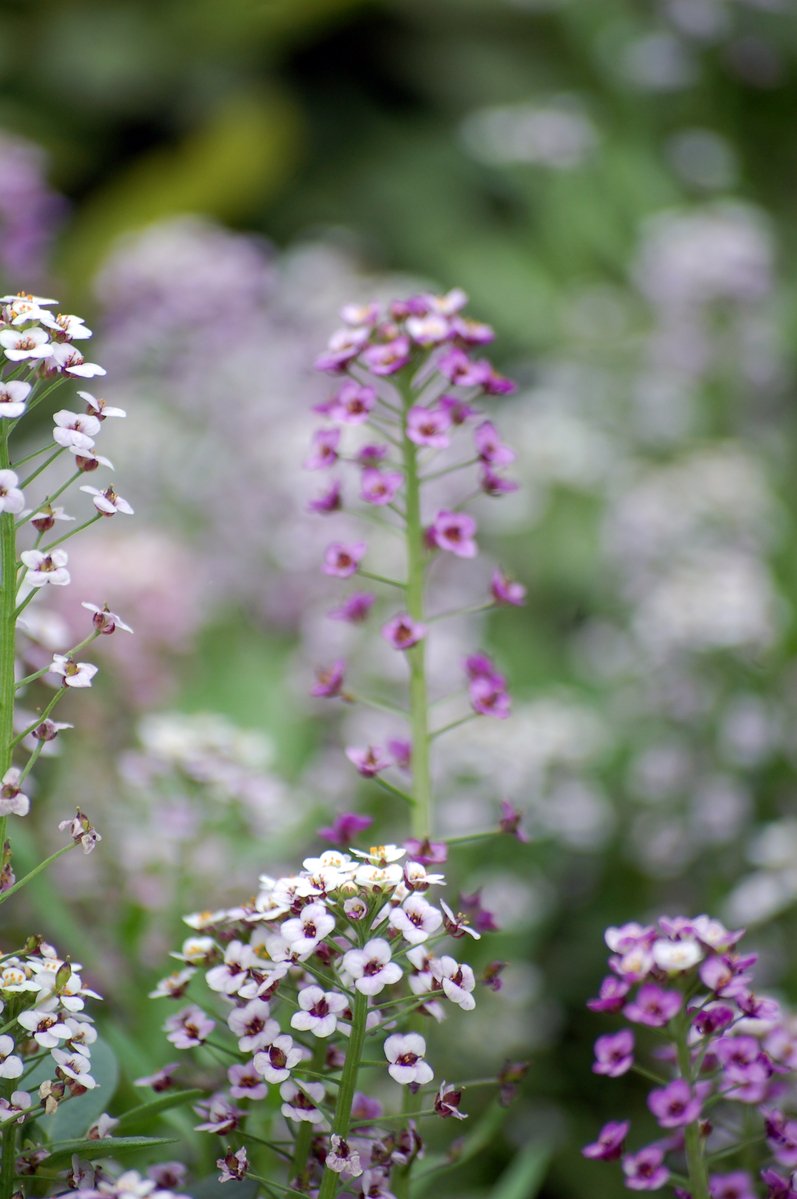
410,380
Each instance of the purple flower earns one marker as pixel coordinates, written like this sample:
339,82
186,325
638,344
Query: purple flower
328,501
506,591
494,484
371,455
325,449
365,1108
614,1053
510,822
674,1105
401,752
428,853
329,680
738,1185
388,358
457,410
369,761
379,487
402,632
489,698
345,828
342,560
489,447
480,917
233,1166
454,531
611,995
429,426
645,1171
189,1027
711,1019
352,403
653,1006
355,608
609,1145
779,1187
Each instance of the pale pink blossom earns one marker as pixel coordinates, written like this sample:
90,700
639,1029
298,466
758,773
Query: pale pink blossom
406,1056
74,674
371,967
46,568
11,498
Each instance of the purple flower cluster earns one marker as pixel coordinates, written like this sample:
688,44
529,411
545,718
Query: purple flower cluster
722,1053
408,377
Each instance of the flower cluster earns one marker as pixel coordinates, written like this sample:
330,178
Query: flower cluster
725,1058
39,351
318,964
42,1007
403,418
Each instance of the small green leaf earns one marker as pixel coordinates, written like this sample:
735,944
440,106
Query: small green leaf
525,1174
161,1103
62,1151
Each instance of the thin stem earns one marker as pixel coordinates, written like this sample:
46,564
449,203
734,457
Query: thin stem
448,470
41,717
8,599
57,454
348,1085
72,533
386,786
367,574
378,704
416,656
454,724
462,611
693,1144
23,882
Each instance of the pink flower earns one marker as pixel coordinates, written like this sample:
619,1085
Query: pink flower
371,967
388,358
402,632
189,1027
653,1006
609,1145
341,560
675,1105
454,531
489,447
329,500
369,761
355,608
614,1053
429,426
380,487
352,403
345,828
645,1171
325,449
505,591
329,680
406,1057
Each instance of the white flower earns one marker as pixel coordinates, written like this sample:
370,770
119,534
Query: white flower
13,398
343,1159
174,984
11,798
11,498
457,926
304,932
10,1065
333,858
100,409
88,460
75,429
415,919
46,568
381,855
108,502
405,1054
227,977
423,980
456,980
371,967
82,1033
252,1026
418,878
196,950
44,1025
107,622
75,674
379,878
73,327
300,1102
319,1014
276,1059
74,1066
676,956
20,345
64,357
20,1102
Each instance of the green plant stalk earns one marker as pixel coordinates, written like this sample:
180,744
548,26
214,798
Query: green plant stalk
419,702
693,1144
8,602
8,1158
348,1085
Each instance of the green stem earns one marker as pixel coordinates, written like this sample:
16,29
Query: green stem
348,1085
8,1158
23,882
416,657
43,466
693,1142
8,601
46,549
454,724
